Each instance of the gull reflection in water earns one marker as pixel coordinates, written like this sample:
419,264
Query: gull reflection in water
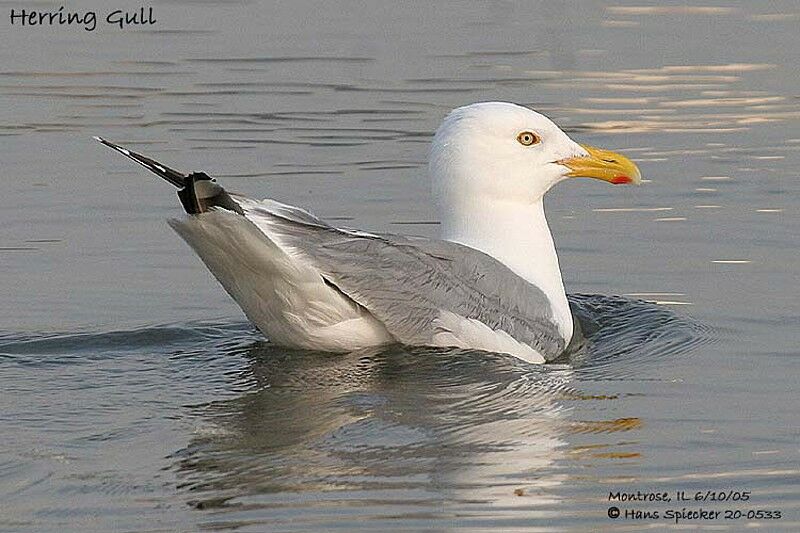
408,431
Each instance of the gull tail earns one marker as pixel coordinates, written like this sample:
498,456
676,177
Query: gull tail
197,191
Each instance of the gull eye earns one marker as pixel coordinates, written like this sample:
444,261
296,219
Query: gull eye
528,138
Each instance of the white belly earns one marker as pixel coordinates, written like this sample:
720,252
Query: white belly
285,299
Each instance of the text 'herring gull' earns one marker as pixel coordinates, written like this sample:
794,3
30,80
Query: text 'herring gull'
492,283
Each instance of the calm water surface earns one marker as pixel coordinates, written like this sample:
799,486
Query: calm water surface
135,397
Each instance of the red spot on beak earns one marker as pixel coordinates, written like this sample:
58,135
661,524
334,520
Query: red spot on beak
619,180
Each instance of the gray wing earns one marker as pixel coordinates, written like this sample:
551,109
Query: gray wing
408,283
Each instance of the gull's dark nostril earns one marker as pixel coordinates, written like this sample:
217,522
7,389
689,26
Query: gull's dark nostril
610,160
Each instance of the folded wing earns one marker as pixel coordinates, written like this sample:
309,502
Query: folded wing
425,292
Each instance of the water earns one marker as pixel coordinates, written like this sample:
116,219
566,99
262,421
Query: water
136,398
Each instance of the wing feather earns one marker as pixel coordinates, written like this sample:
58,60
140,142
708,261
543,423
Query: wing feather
422,290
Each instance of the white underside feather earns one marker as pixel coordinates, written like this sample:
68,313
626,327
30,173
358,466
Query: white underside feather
288,301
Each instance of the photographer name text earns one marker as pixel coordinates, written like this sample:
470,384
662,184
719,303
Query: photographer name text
686,506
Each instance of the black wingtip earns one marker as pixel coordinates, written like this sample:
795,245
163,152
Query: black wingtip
197,191
172,176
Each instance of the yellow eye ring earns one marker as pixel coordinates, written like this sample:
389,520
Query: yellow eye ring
528,138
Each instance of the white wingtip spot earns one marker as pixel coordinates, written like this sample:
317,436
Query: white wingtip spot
97,138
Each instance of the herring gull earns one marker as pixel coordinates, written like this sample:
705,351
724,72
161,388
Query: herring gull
491,283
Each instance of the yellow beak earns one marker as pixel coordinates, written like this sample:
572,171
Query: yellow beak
603,165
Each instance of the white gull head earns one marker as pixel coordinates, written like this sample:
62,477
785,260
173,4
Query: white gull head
491,164
501,151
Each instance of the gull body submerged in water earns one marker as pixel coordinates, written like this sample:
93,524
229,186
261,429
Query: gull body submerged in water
492,283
